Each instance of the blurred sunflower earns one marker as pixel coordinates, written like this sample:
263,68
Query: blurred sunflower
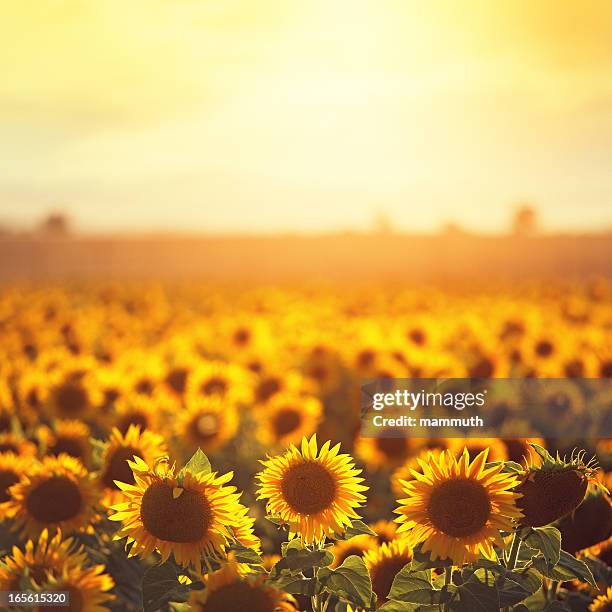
385,530
384,562
227,591
88,587
187,515
71,398
357,545
47,556
603,603
17,444
206,422
58,493
67,436
388,451
12,467
457,508
118,450
225,380
286,418
315,491
133,409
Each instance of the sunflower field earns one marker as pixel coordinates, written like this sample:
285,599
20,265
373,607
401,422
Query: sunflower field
197,447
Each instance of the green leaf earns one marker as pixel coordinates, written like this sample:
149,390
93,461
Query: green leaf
474,596
567,569
296,559
351,580
510,467
421,561
555,606
246,555
160,586
517,586
542,452
545,539
357,528
404,606
198,464
296,585
415,587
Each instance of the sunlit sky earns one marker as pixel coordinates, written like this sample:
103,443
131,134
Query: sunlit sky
293,115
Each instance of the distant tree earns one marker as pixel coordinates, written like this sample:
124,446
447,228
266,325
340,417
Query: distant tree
525,220
55,224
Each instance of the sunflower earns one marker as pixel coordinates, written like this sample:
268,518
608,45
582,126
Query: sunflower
16,444
225,380
58,493
457,508
227,591
67,436
388,451
315,491
71,398
356,545
47,556
497,450
384,562
404,471
286,418
185,514
207,422
137,410
385,530
12,468
603,603
88,587
118,450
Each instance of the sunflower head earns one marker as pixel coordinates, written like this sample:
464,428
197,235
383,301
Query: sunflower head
121,448
314,491
12,467
68,436
384,562
356,545
57,493
457,508
187,514
603,603
553,488
228,591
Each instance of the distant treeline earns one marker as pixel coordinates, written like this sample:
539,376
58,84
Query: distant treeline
285,258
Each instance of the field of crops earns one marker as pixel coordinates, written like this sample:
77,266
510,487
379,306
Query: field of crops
176,447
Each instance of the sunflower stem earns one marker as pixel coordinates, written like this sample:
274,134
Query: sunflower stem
514,551
448,578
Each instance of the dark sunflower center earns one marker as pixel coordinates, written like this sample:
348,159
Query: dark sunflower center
205,426
9,447
319,372
242,336
177,379
132,418
384,573
392,447
215,384
544,348
267,388
308,488
7,479
144,386
239,597
118,468
5,422
54,500
70,446
184,519
286,420
459,507
72,399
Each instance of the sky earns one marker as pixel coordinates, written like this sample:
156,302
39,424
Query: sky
285,115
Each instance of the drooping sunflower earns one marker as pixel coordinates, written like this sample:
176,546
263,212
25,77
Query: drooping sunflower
12,468
384,562
286,418
57,493
207,422
187,515
66,436
603,603
315,491
457,508
47,556
88,587
118,450
227,591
